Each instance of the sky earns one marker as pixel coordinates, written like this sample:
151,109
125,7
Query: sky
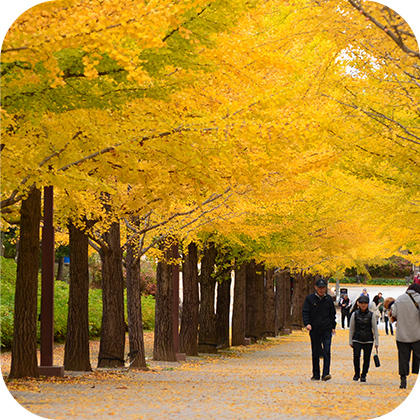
11,10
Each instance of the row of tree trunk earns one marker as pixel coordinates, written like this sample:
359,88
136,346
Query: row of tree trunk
262,301
263,304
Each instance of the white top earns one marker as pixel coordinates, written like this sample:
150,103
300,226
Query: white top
408,317
375,309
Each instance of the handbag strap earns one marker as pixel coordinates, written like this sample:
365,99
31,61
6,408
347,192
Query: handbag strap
415,303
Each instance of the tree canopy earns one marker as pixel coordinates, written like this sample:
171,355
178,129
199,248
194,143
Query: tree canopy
288,128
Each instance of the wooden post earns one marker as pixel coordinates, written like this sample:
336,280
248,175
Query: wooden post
47,290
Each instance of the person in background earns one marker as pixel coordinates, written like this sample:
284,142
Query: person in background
319,317
387,321
354,306
364,293
416,279
374,307
406,311
345,310
381,305
363,333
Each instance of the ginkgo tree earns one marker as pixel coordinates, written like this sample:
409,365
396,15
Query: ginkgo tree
63,57
157,114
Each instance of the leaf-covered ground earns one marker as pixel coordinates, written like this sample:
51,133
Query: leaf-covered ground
267,380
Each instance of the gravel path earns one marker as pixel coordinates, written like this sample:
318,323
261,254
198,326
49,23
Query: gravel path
270,380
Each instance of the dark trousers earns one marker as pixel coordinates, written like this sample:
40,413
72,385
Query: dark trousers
345,314
357,351
404,353
318,339
387,320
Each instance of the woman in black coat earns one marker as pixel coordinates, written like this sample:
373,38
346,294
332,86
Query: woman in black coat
363,333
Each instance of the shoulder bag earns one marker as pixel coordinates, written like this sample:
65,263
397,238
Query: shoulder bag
415,303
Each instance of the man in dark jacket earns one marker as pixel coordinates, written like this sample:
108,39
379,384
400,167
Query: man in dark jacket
319,318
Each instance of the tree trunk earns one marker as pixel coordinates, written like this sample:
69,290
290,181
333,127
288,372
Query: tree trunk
254,322
60,269
111,350
207,339
269,304
76,350
310,283
223,311
279,320
238,316
135,322
300,288
283,303
188,338
24,356
163,348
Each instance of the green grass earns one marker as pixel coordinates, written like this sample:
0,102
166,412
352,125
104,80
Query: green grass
61,296
373,281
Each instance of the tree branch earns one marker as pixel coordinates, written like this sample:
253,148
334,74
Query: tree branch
394,36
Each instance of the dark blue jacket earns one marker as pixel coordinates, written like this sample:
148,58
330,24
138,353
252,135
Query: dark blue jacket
319,312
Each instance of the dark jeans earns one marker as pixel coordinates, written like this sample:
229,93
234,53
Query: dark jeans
404,353
387,320
319,338
345,314
357,351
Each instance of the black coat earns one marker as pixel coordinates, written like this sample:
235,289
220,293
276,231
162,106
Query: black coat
363,329
319,312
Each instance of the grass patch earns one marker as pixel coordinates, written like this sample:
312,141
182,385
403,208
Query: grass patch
61,297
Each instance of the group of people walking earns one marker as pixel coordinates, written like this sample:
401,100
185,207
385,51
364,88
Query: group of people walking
380,311
363,315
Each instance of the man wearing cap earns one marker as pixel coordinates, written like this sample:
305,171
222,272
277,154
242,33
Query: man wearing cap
319,318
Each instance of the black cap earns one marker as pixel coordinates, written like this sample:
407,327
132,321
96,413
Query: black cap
321,283
363,298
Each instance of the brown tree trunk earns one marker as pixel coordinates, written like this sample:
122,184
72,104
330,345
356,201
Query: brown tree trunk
223,311
60,269
188,337
24,357
283,303
163,348
254,321
238,316
310,283
76,350
269,304
111,350
135,321
207,339
300,289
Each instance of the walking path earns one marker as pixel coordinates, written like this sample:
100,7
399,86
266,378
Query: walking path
269,380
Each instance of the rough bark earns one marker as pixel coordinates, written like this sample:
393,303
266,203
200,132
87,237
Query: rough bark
223,311
163,348
269,304
300,289
188,338
254,321
134,312
310,283
283,303
238,316
207,339
24,355
111,350
76,350
60,269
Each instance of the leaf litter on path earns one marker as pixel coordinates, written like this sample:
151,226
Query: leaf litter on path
268,380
